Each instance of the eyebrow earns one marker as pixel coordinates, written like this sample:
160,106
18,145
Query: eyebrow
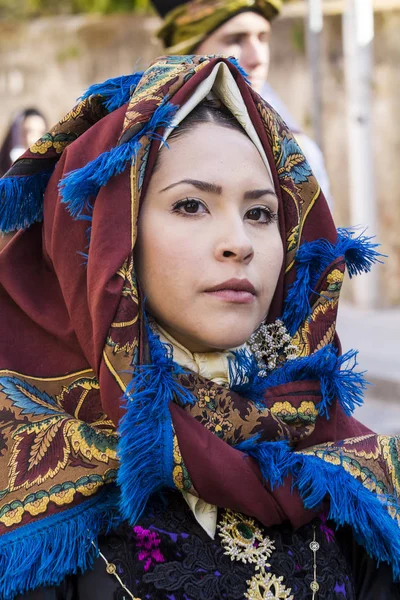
206,186
203,186
257,194
244,33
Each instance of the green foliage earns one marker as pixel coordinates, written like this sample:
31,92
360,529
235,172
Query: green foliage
36,8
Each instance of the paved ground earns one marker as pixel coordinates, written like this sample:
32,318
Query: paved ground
376,334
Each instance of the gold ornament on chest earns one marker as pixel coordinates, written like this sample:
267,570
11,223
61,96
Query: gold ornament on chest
243,541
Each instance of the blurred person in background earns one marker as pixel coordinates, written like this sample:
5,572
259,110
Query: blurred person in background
26,127
239,28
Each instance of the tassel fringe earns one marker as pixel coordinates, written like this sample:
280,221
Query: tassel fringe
350,502
115,92
346,385
244,378
243,73
56,546
146,442
313,258
80,186
21,201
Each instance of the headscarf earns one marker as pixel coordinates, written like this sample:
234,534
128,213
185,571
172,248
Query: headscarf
189,23
95,416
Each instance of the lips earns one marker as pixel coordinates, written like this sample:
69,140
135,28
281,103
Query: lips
236,285
236,291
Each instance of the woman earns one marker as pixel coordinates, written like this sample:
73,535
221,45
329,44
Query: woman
232,455
27,126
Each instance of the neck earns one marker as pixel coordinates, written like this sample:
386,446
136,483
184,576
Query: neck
192,345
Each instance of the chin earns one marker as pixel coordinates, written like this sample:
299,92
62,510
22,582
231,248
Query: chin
226,342
257,82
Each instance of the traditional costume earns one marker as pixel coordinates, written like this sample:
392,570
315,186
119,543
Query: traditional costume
130,467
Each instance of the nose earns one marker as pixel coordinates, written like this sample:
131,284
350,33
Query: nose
234,244
254,53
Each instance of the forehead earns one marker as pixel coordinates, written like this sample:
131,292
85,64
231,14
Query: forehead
231,157
245,23
33,120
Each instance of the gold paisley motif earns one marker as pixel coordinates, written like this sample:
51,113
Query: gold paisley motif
301,337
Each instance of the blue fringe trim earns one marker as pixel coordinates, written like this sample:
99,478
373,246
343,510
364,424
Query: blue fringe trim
116,91
79,186
244,378
21,201
146,432
243,73
312,258
345,385
44,552
350,502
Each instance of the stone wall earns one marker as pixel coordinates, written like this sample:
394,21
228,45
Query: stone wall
290,78
49,62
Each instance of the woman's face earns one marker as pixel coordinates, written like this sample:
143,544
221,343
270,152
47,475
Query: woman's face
33,128
209,252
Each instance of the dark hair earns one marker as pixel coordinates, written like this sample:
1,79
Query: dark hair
208,111
12,137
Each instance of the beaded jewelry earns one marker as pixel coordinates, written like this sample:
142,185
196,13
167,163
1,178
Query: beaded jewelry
271,345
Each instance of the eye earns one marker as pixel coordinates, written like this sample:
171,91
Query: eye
261,214
189,206
234,40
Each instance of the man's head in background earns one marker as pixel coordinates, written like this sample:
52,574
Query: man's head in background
237,28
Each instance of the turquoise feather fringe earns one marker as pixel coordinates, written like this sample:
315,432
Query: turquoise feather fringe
146,442
44,552
312,258
79,187
21,201
350,502
116,92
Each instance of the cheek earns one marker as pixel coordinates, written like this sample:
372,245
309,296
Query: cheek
269,262
168,262
235,50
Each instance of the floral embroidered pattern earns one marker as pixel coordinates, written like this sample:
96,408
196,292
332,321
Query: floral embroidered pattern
47,433
305,413
148,542
195,567
180,474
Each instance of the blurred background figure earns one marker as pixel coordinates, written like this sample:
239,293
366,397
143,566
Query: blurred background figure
239,28
26,127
